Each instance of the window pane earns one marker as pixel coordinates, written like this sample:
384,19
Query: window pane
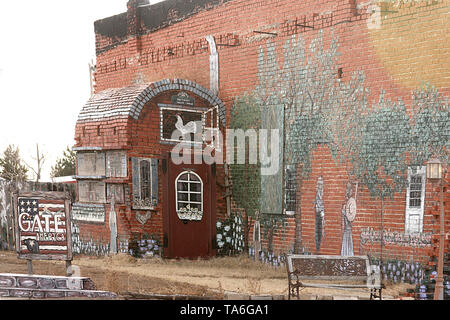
145,180
183,186
196,187
184,177
416,179
196,197
193,177
183,196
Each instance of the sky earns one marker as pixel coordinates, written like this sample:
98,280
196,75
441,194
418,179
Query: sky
45,50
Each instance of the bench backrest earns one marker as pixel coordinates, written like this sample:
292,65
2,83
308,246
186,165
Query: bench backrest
329,267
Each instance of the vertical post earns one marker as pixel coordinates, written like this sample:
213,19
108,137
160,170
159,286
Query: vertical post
439,288
227,188
30,267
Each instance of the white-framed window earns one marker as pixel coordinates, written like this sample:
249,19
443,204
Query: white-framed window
415,200
189,196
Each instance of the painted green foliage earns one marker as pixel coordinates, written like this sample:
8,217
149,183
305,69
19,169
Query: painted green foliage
430,132
382,165
375,143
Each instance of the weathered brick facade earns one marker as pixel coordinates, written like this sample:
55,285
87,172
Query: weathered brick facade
396,48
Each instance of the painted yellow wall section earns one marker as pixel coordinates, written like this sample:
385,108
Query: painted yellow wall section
413,41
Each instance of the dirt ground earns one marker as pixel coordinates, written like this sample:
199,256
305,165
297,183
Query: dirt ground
213,278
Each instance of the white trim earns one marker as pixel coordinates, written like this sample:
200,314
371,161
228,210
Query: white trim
414,215
189,192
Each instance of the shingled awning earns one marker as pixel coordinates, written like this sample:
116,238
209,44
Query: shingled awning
129,101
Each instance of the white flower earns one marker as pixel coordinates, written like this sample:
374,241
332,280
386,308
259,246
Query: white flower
220,244
227,228
228,239
219,224
219,237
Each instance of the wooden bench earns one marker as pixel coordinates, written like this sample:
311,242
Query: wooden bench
332,268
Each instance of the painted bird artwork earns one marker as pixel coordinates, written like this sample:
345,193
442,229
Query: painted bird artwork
190,127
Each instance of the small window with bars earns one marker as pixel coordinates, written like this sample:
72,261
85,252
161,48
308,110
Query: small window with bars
145,183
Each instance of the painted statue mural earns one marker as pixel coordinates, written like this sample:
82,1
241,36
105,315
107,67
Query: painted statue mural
348,216
320,214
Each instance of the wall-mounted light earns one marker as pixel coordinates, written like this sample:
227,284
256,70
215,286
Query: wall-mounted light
434,169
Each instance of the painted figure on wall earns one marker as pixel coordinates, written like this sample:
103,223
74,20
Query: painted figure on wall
348,216
320,214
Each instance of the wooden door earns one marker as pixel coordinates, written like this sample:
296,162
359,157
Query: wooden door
189,211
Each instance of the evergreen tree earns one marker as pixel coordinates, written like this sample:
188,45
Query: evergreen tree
11,165
64,166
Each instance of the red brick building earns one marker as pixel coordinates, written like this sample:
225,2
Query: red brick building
358,88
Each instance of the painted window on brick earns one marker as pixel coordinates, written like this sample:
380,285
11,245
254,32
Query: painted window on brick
290,192
190,121
189,196
415,199
91,164
91,192
145,183
116,164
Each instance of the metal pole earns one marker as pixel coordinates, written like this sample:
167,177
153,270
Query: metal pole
30,267
439,288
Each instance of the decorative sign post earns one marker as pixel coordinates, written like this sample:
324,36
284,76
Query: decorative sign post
42,230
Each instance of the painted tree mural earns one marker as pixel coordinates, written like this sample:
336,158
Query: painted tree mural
310,95
375,141
430,130
305,87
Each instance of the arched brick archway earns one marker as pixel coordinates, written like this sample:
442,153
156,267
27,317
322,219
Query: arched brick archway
130,101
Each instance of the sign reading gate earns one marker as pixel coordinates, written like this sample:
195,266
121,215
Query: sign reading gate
43,226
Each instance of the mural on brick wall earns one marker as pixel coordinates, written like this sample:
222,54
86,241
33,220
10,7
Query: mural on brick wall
370,236
88,245
375,141
230,235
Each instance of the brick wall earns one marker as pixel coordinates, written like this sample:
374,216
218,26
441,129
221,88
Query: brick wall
397,48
